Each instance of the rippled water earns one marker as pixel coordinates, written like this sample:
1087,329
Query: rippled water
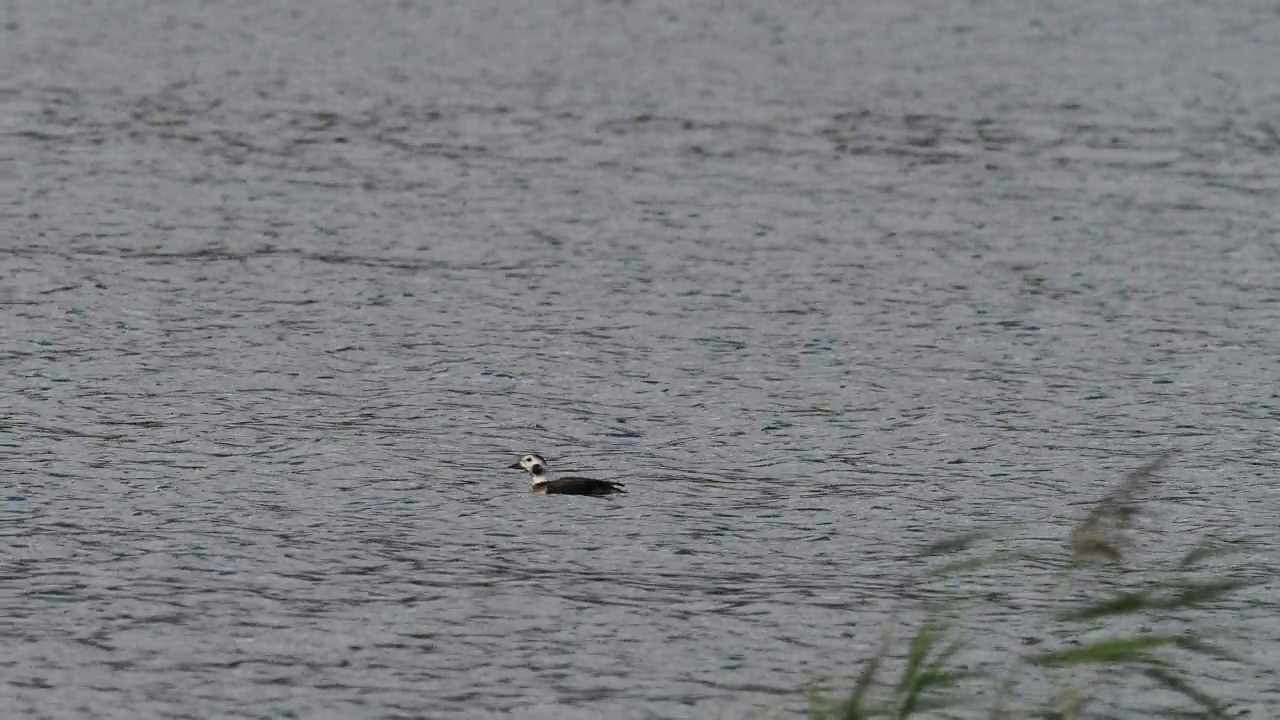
288,285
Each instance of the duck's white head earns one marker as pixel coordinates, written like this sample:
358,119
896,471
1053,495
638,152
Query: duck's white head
534,465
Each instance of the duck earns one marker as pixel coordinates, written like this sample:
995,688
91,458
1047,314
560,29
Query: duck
542,484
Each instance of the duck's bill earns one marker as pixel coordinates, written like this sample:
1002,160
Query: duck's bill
515,466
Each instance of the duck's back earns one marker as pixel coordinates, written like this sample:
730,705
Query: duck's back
580,486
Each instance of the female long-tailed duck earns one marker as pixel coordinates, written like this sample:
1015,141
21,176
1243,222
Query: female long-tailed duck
542,483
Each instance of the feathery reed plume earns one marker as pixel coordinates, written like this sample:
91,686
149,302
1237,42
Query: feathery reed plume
1101,534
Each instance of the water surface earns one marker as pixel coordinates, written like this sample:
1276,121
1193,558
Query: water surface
287,287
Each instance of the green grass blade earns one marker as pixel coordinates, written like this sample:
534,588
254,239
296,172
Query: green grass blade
963,566
1206,551
855,707
956,543
1174,680
1118,605
1190,596
1195,644
1200,593
819,706
942,658
1130,649
928,682
924,671
921,645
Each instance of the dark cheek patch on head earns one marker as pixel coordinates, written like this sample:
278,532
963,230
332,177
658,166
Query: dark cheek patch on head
536,469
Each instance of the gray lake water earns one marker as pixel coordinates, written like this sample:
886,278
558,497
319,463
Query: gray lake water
286,286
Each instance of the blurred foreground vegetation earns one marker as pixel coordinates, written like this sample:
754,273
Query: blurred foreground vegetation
1107,627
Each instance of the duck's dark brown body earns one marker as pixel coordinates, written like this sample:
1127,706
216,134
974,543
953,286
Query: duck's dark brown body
577,486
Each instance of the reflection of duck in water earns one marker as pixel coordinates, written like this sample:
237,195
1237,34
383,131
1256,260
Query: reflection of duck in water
542,483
